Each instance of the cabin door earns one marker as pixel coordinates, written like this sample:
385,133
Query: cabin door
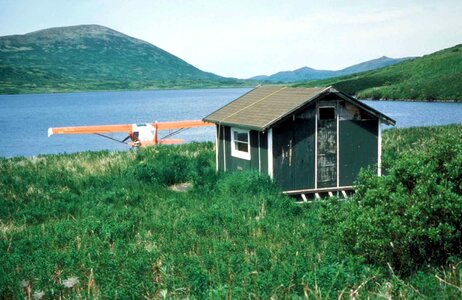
327,145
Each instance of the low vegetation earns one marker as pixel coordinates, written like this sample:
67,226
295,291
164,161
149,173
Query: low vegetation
107,225
433,77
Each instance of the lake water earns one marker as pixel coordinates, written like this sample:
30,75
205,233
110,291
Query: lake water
25,119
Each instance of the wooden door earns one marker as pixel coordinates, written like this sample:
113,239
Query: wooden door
327,147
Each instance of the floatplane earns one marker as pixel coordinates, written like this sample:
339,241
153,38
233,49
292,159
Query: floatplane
144,134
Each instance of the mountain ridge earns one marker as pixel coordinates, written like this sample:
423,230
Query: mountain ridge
93,57
307,73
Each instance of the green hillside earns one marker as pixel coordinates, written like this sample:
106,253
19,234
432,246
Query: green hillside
105,225
92,57
437,76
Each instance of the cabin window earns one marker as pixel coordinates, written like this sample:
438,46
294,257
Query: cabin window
240,143
326,113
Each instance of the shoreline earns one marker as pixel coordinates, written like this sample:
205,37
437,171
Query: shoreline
413,100
130,90
215,87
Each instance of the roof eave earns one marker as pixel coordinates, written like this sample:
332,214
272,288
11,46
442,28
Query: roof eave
229,103
239,125
366,107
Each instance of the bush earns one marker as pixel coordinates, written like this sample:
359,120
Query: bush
166,166
410,217
205,175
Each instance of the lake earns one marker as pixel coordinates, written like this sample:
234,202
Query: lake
25,119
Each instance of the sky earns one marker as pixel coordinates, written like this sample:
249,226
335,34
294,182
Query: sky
247,38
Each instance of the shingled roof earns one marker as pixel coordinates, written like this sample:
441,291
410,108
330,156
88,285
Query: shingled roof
264,106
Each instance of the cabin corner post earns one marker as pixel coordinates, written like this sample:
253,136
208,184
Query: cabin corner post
217,148
225,167
379,156
259,153
270,154
337,116
316,145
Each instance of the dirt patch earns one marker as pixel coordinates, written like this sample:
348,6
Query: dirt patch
181,187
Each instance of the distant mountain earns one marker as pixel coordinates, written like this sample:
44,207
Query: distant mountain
378,63
305,73
437,76
301,74
92,57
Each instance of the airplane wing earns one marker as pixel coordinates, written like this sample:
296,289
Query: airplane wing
181,124
90,129
140,134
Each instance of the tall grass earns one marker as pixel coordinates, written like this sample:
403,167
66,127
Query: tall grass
106,225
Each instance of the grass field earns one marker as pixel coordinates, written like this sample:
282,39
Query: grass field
106,225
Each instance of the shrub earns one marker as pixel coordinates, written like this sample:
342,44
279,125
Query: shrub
410,217
164,166
168,165
204,174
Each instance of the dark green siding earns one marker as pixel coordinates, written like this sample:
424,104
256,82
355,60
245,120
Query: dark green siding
304,155
254,153
358,148
293,152
282,166
264,152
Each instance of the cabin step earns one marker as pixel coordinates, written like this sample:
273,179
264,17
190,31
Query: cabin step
308,197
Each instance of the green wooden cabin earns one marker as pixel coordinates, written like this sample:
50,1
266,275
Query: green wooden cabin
309,140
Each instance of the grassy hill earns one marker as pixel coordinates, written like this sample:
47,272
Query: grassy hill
106,225
437,76
92,57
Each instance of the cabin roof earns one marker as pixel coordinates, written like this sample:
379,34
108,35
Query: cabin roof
264,106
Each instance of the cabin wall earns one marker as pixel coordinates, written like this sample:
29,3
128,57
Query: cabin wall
358,142
358,148
294,151
311,153
258,152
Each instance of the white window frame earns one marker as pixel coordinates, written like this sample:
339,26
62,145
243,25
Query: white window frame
235,152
